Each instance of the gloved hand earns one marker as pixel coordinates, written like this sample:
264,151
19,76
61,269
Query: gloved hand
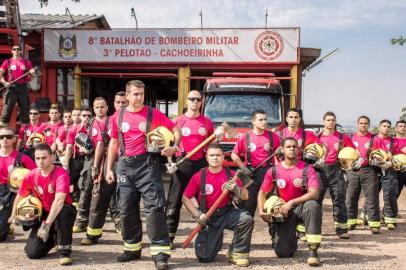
85,151
43,231
357,164
95,172
386,166
247,171
375,162
233,187
321,163
219,132
201,218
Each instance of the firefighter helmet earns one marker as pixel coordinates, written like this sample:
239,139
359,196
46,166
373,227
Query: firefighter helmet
378,157
29,211
312,153
35,138
399,162
346,157
159,138
16,177
272,205
84,141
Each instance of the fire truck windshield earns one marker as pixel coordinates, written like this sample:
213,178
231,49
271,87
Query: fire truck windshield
236,109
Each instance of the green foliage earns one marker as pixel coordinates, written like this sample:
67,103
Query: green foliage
400,40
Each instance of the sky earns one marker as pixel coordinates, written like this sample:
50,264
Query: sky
367,76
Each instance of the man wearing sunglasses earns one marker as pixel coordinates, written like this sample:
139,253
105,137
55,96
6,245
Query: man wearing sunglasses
9,158
16,92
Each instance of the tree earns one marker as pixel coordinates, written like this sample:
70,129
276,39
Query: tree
401,40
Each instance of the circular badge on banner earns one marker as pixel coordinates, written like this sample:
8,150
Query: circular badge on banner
253,147
297,182
185,131
202,131
125,127
269,45
142,126
94,132
209,189
281,183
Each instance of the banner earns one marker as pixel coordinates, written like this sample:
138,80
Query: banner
173,45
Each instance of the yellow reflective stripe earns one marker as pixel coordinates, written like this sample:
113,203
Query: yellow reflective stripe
374,224
390,220
236,255
342,225
352,221
362,215
94,232
132,247
300,228
155,250
313,238
172,234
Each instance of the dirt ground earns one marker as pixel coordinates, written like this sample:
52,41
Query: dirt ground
362,251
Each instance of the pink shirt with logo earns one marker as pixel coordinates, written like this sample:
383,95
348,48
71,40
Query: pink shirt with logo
259,147
289,180
401,145
214,184
50,131
79,128
18,67
134,126
310,138
361,142
63,132
7,164
28,130
332,144
57,181
194,132
386,142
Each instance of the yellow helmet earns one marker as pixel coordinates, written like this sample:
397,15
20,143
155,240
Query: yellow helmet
378,157
313,152
159,138
29,211
16,177
399,162
36,138
346,157
272,205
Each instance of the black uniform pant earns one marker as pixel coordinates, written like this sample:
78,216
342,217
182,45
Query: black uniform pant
179,181
250,205
331,177
142,175
6,207
113,208
284,233
86,188
389,185
75,168
60,234
210,239
364,179
401,182
18,93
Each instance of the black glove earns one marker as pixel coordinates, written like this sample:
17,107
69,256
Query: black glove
43,231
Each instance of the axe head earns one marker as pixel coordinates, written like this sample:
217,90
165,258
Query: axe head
230,131
245,179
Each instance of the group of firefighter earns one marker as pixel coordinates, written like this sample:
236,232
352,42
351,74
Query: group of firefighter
65,175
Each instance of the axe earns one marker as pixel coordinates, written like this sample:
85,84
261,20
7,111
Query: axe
244,178
14,81
173,167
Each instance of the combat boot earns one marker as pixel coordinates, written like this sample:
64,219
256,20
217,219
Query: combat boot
313,259
239,259
129,256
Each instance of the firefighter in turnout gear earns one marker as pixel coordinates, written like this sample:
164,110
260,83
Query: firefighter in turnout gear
206,186
295,183
256,146
139,172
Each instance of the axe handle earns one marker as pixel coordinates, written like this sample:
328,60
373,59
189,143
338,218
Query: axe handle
197,148
13,81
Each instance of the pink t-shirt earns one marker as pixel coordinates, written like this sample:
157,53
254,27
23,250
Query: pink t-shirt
194,132
50,132
289,180
401,145
134,126
332,144
57,181
7,164
79,128
259,147
63,132
214,183
310,138
28,130
18,67
362,144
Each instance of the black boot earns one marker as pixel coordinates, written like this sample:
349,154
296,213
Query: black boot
313,259
129,256
161,261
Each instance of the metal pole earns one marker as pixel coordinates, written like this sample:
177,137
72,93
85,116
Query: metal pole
266,19
201,19
135,17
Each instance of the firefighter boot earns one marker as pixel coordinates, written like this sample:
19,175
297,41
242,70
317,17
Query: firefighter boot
239,259
129,256
313,259
161,261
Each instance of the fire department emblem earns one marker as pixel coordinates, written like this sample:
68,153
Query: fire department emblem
94,132
142,126
366,145
281,183
267,147
202,131
13,67
356,144
209,189
50,188
297,182
269,45
335,146
299,142
10,168
125,127
28,133
253,147
67,47
40,190
185,131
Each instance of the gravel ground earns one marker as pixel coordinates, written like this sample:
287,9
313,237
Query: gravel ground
362,251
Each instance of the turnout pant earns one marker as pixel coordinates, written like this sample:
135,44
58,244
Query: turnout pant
17,93
60,234
210,239
113,207
142,175
401,181
364,179
250,205
6,207
86,188
331,177
389,184
75,168
284,233
179,181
